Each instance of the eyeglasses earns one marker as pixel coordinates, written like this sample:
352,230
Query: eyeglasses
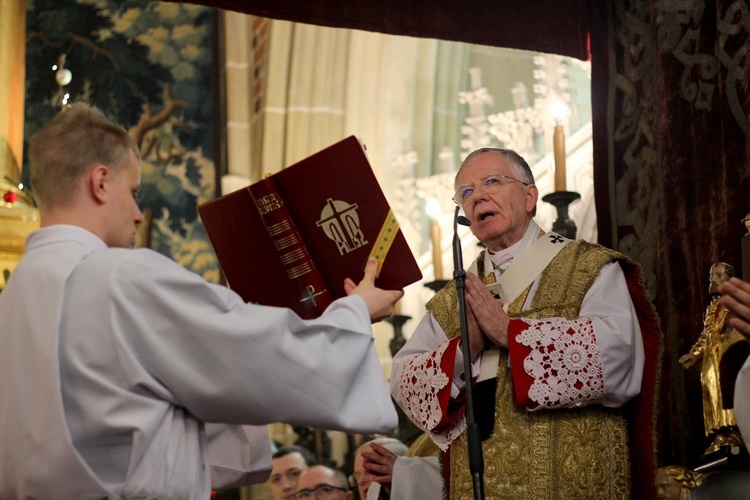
491,184
320,491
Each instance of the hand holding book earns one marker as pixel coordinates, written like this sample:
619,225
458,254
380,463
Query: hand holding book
380,303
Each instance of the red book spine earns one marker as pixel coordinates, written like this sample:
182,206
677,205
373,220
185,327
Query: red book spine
306,285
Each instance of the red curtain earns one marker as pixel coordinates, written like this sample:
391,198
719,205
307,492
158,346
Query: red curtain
540,25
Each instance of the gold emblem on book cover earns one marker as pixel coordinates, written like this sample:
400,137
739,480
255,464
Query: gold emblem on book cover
340,221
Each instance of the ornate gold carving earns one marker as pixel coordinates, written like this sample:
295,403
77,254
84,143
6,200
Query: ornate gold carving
675,482
16,222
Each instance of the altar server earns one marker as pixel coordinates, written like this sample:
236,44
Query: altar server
123,375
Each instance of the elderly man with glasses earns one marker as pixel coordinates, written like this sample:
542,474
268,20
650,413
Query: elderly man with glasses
322,483
564,346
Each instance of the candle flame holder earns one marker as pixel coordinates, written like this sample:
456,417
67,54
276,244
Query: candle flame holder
563,225
397,322
436,285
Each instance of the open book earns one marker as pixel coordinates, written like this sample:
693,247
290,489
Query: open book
290,239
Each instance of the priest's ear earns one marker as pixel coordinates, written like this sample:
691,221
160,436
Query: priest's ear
532,196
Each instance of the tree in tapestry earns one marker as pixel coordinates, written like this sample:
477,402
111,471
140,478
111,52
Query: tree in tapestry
146,65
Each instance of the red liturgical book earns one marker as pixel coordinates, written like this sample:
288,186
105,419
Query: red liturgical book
291,239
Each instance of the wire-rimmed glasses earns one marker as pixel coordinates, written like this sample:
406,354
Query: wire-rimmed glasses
490,184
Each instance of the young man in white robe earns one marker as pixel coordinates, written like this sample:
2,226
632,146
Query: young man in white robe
123,375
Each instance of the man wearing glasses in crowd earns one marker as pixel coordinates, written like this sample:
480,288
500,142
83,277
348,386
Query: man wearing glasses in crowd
322,483
553,324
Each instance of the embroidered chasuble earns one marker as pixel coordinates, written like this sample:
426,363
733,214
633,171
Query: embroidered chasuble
558,453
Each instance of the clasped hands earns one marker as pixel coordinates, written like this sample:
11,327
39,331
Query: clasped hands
378,461
487,321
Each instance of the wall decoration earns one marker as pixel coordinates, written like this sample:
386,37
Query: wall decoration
146,65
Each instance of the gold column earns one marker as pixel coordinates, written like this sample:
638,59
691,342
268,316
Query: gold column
17,217
12,76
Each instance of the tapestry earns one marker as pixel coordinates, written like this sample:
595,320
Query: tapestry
148,67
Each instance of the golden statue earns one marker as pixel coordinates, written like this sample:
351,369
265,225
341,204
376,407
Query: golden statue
714,341
675,482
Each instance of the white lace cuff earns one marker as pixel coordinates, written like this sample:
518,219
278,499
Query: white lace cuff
447,434
421,380
564,362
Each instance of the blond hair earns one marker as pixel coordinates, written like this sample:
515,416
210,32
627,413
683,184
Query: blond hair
77,139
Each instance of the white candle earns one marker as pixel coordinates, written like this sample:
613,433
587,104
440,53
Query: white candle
437,254
559,142
476,78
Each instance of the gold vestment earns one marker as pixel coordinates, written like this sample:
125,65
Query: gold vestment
561,453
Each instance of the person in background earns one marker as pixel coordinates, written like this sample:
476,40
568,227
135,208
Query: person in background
322,483
124,375
735,296
289,462
387,447
414,475
562,338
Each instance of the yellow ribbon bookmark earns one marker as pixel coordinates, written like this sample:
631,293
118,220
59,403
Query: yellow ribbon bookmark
385,239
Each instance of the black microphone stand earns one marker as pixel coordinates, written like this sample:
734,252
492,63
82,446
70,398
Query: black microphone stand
476,460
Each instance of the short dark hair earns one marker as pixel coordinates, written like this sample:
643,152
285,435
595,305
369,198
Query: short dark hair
306,454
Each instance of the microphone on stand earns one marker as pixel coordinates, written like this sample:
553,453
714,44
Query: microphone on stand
476,460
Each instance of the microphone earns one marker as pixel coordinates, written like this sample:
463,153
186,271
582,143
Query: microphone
476,459
463,221
458,266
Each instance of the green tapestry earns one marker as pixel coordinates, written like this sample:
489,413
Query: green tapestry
148,66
